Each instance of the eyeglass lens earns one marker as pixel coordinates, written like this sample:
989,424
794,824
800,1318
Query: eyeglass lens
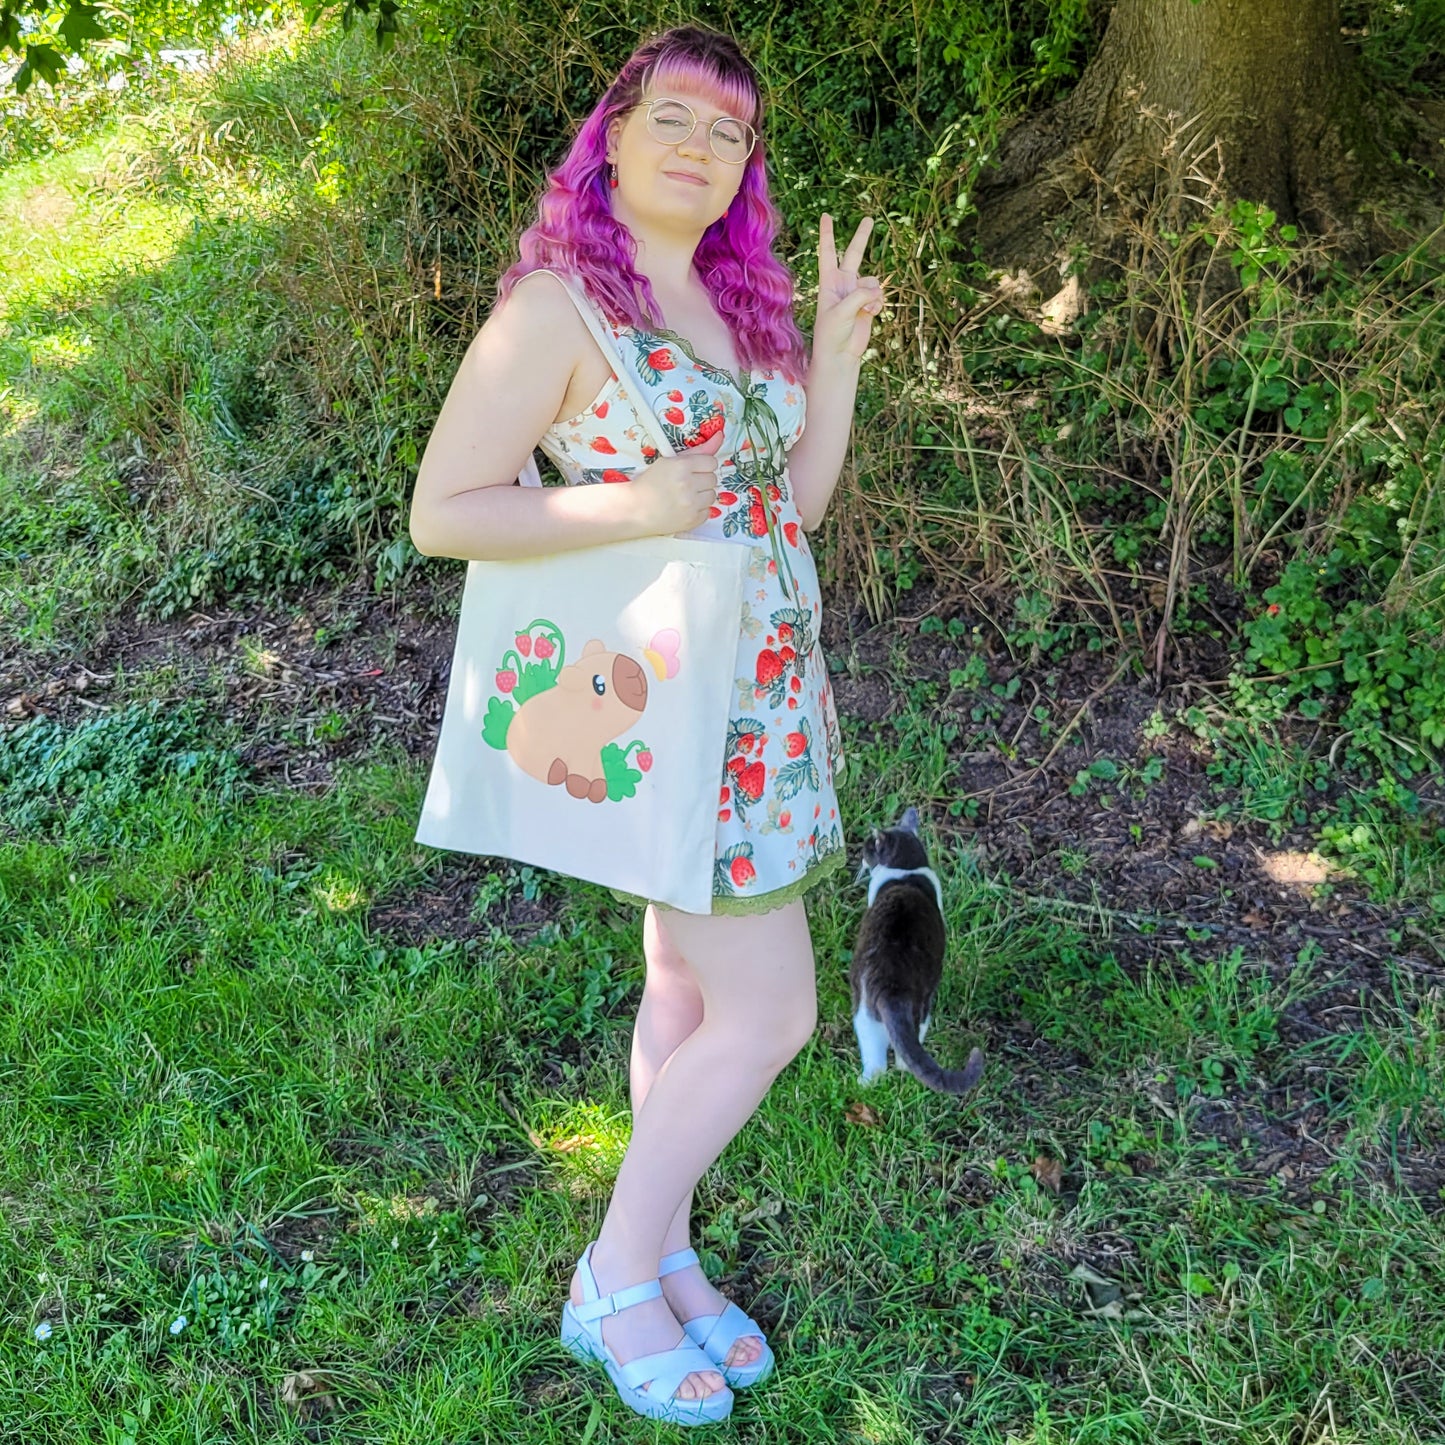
672,123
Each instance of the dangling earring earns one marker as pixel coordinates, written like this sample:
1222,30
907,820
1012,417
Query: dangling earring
612,179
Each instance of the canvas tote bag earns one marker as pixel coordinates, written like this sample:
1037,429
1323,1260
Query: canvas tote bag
586,716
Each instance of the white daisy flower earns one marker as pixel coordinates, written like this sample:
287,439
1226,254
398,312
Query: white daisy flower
44,1330
178,1324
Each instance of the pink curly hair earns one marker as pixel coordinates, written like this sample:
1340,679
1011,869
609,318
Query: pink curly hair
575,230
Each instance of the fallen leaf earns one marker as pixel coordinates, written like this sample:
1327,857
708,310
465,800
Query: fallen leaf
1048,1172
1300,869
1255,920
308,1394
768,1209
862,1114
1107,1299
1207,828
574,1142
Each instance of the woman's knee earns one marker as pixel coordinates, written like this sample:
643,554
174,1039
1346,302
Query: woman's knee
779,1028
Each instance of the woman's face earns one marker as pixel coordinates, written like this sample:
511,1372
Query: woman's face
682,186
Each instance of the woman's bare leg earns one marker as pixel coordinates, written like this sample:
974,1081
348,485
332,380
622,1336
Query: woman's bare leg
756,979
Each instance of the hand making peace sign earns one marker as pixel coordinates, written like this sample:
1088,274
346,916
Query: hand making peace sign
846,304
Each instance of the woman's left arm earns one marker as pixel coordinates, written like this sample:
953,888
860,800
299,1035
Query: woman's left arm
846,308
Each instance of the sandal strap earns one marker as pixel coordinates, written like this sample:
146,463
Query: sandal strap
617,1301
717,1334
671,1263
666,1370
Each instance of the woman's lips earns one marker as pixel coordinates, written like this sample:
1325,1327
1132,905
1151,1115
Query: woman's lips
686,177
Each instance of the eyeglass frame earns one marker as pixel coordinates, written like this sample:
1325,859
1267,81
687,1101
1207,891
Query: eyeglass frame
696,121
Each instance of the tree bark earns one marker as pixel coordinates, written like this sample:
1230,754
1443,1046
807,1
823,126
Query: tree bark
1269,84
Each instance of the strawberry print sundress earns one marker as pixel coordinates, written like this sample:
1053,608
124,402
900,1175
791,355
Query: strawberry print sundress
778,831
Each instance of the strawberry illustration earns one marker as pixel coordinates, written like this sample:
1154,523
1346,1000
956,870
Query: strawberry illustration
728,499
675,415
726,793
796,684
757,522
714,512
613,475
792,702
787,654
751,781
545,648
648,451
785,820
736,765
785,631
724,814
773,493
601,444
661,359
524,644
756,493
644,760
506,680
710,428
742,872
602,408
790,531
674,396
795,743
746,742
770,666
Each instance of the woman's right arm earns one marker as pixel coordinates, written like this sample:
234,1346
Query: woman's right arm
509,388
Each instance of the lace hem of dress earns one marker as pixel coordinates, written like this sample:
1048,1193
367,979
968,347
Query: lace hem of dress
760,903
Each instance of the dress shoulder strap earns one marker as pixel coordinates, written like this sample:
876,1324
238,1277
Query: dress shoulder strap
607,344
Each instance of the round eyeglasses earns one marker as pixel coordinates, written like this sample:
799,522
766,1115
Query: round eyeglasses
672,122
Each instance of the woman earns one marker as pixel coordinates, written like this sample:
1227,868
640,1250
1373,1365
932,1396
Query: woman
660,215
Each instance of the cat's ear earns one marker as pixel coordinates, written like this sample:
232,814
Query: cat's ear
909,822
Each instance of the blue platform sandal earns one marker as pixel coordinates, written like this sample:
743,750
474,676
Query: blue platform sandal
715,1335
662,1372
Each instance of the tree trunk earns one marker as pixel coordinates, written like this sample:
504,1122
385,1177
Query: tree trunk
1268,83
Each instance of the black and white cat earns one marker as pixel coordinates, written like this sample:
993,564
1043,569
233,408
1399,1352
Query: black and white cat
898,961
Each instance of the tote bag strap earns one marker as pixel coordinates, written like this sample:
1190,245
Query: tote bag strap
612,352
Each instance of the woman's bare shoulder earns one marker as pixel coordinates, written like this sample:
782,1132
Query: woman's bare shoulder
539,309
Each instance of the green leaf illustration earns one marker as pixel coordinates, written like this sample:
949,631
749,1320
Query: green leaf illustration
535,677
497,721
622,779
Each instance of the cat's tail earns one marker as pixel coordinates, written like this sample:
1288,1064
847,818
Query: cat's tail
920,1063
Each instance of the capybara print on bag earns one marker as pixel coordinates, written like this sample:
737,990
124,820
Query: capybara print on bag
558,720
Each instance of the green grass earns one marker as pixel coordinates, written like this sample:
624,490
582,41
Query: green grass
213,1063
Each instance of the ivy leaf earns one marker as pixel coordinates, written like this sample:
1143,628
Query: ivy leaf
42,60
387,27
81,23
